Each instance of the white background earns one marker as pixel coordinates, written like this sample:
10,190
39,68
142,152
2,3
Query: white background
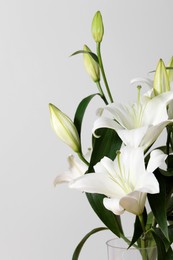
38,221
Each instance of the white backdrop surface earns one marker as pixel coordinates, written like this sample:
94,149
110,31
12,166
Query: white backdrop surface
38,221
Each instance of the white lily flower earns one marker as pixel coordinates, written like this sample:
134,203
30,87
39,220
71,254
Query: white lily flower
125,181
64,128
139,124
76,169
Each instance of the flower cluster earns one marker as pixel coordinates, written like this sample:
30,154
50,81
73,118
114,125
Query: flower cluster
121,169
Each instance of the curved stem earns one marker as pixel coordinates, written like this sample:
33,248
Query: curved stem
103,72
101,92
83,158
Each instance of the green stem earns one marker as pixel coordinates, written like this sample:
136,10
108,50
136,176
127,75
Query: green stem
83,158
143,249
171,140
101,92
142,222
143,244
168,140
103,72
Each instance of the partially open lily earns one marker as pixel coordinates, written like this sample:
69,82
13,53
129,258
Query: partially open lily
76,169
139,124
125,181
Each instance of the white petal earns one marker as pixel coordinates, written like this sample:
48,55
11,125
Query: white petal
106,165
133,161
76,169
96,183
153,133
132,137
157,157
147,81
111,169
147,183
62,178
134,202
104,122
123,114
158,103
113,205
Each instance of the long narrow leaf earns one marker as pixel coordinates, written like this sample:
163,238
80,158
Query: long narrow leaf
107,217
93,55
138,230
82,242
164,250
158,205
80,111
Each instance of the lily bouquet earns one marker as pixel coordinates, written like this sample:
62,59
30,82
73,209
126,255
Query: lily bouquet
123,169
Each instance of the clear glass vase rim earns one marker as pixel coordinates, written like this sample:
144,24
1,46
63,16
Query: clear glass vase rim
125,247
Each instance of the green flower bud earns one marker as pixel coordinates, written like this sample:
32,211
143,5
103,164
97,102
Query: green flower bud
91,65
161,80
64,128
97,27
170,71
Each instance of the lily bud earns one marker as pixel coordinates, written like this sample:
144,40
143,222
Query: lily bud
97,28
64,128
170,71
91,65
161,80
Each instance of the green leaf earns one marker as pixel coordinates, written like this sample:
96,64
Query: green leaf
170,210
81,111
163,248
149,219
93,55
168,68
82,242
138,230
158,204
168,173
107,217
169,161
106,145
170,230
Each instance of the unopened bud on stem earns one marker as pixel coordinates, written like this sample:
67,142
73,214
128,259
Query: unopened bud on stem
64,128
97,27
91,65
161,80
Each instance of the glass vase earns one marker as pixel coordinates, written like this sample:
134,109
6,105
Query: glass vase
118,250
